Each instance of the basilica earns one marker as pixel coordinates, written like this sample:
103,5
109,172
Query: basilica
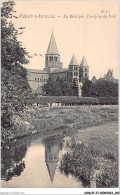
54,69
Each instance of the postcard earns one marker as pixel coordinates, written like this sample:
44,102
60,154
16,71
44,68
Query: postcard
59,97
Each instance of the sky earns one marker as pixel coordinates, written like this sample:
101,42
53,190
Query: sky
85,28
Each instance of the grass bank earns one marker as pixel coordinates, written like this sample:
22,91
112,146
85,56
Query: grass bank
33,120
93,158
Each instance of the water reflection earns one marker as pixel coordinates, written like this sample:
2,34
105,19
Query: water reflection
33,162
52,147
11,162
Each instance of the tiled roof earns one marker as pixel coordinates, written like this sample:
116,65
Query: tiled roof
38,71
60,70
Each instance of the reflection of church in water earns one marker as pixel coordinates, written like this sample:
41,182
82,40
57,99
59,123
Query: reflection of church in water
51,157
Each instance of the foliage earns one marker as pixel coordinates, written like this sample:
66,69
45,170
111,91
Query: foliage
80,163
73,100
65,100
11,51
83,162
15,87
108,100
100,88
108,178
60,88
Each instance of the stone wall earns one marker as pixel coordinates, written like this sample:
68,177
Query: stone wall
60,75
36,79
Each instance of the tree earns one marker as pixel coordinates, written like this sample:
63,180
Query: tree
86,89
59,87
12,51
52,88
15,87
101,88
75,87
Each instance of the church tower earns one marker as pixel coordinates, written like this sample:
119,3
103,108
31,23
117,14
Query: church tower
73,74
52,56
83,70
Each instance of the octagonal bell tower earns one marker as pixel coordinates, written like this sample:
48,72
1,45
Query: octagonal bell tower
52,56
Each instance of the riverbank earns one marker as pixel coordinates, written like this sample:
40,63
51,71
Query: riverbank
34,120
92,156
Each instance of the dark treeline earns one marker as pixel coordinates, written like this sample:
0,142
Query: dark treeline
60,88
101,88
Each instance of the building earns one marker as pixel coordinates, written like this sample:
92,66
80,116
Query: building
107,77
54,70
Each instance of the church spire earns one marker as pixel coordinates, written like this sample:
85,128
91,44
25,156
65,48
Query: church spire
84,62
52,48
52,57
73,61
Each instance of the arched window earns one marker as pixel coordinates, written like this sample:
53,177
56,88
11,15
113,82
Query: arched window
35,79
71,67
51,58
75,68
38,79
85,69
75,73
55,58
85,74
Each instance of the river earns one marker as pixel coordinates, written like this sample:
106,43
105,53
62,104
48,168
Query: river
33,162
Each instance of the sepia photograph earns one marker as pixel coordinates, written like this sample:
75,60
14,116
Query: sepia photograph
59,95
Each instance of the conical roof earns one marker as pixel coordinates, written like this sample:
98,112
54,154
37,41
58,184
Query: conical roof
109,74
84,62
52,48
51,169
73,61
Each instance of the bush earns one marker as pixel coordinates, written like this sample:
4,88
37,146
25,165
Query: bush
108,100
65,100
108,178
80,163
74,100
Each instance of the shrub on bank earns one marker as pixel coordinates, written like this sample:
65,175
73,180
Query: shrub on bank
83,162
108,178
80,163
